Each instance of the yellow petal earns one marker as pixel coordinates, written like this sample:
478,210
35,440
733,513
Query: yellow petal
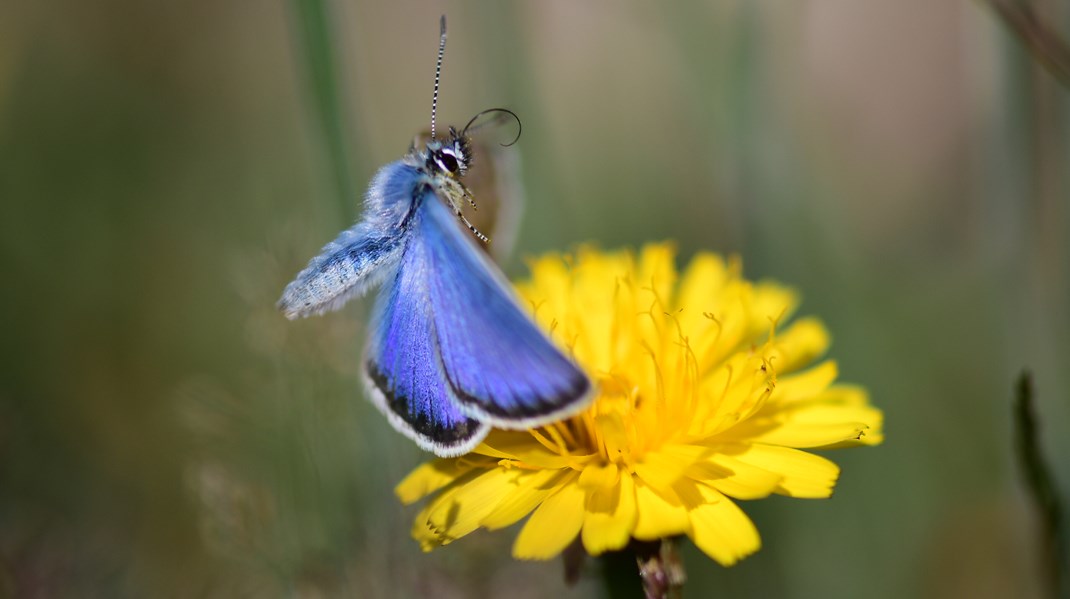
730,326
532,487
598,476
853,404
867,436
660,514
805,385
722,531
705,464
661,469
423,530
549,284
693,494
610,516
699,288
805,474
430,477
799,345
873,435
460,512
792,433
657,270
520,446
553,525
610,427
837,415
735,478
771,302
732,393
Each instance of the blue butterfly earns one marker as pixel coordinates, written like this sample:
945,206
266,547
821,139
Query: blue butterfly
450,353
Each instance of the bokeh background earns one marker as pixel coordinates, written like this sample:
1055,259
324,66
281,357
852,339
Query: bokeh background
165,168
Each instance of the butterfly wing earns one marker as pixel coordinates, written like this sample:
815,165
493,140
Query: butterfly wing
360,257
501,366
403,372
496,364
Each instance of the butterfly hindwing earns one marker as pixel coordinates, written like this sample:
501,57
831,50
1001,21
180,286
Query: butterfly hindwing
501,367
403,373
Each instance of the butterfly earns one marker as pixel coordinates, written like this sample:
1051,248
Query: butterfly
450,352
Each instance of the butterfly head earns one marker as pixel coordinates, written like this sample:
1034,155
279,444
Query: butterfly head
445,161
451,156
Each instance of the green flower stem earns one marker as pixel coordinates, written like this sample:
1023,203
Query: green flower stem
316,47
1042,490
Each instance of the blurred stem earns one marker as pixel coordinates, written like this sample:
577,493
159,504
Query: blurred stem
1043,42
1042,490
661,569
315,45
650,569
620,576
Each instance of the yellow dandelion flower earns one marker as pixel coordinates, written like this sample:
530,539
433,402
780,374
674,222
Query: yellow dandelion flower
705,395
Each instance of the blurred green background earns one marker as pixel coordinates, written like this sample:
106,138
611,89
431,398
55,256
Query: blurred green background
165,168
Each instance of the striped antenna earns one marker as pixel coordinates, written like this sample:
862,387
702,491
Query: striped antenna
438,73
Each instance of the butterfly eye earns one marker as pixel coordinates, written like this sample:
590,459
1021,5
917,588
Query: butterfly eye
448,162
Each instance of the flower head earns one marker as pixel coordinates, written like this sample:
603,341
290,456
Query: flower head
702,399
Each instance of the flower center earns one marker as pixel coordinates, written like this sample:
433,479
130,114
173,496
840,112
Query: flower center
673,363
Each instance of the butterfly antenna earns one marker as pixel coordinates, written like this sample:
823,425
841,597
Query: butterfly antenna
502,114
438,72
